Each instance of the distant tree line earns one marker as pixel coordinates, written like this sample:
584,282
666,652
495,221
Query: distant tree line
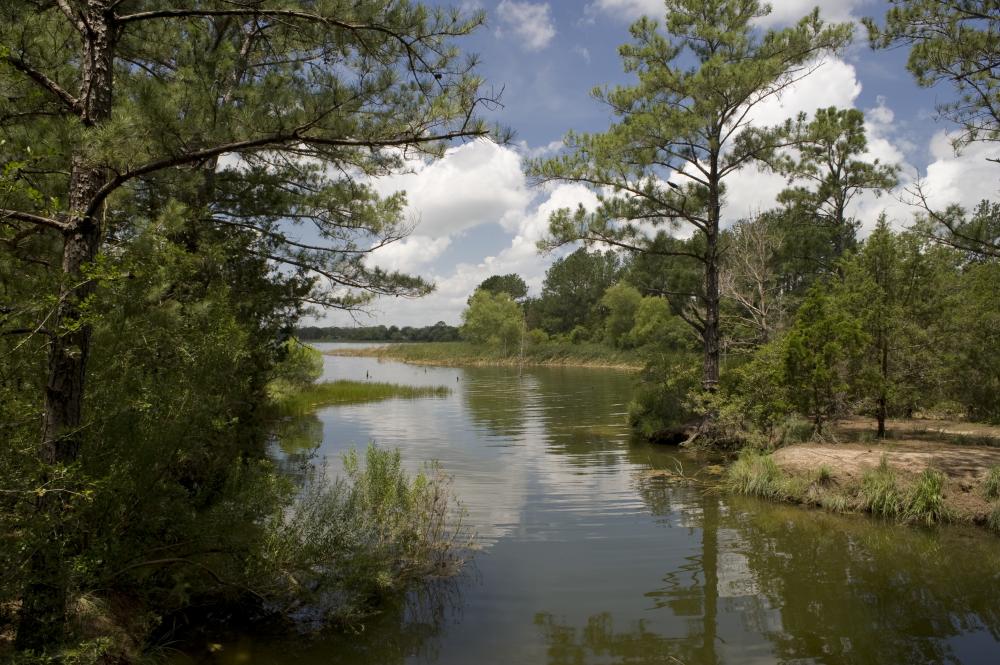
439,332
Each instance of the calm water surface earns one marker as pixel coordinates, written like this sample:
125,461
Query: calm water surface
591,556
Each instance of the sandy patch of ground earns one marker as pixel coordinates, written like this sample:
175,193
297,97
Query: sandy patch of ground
964,467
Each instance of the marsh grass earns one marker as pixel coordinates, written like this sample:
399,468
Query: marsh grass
292,400
993,519
346,546
925,499
756,474
880,493
991,485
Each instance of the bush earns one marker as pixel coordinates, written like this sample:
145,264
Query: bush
661,401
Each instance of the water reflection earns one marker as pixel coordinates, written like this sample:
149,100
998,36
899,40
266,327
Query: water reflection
597,550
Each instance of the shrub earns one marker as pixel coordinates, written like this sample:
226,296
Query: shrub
347,544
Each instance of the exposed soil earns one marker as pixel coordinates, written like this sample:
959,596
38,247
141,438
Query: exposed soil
914,446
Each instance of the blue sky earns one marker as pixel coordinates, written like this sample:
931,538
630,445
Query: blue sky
476,214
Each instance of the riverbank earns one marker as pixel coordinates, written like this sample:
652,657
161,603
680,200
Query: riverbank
464,354
926,472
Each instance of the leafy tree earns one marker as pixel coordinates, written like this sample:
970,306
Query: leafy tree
573,288
685,120
512,284
241,120
821,356
493,319
622,303
957,42
973,375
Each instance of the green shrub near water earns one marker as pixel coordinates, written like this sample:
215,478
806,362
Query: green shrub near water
347,544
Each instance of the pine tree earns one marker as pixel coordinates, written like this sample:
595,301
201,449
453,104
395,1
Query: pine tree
681,131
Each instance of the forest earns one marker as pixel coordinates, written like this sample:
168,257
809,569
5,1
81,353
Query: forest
182,184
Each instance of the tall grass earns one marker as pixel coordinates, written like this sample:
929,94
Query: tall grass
292,400
880,493
991,485
756,474
347,545
925,500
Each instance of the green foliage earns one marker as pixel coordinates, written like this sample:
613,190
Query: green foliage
493,319
831,172
572,291
658,330
301,400
957,42
375,533
622,302
678,135
512,284
300,366
661,400
824,474
821,357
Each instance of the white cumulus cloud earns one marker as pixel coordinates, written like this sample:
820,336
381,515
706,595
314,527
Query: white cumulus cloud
530,22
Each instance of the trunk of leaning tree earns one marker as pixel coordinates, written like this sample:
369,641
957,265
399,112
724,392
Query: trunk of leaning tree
43,608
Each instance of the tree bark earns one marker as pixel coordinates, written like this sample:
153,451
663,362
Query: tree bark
710,335
43,607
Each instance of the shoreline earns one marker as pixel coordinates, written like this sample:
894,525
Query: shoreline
908,482
404,352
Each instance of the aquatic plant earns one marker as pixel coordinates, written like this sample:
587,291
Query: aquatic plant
344,546
289,400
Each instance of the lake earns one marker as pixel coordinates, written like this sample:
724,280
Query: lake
594,548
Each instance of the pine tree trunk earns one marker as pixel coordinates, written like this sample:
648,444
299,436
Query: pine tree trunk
710,334
43,605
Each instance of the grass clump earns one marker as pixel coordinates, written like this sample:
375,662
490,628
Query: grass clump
880,493
993,519
824,475
925,500
296,400
756,474
991,485
347,545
